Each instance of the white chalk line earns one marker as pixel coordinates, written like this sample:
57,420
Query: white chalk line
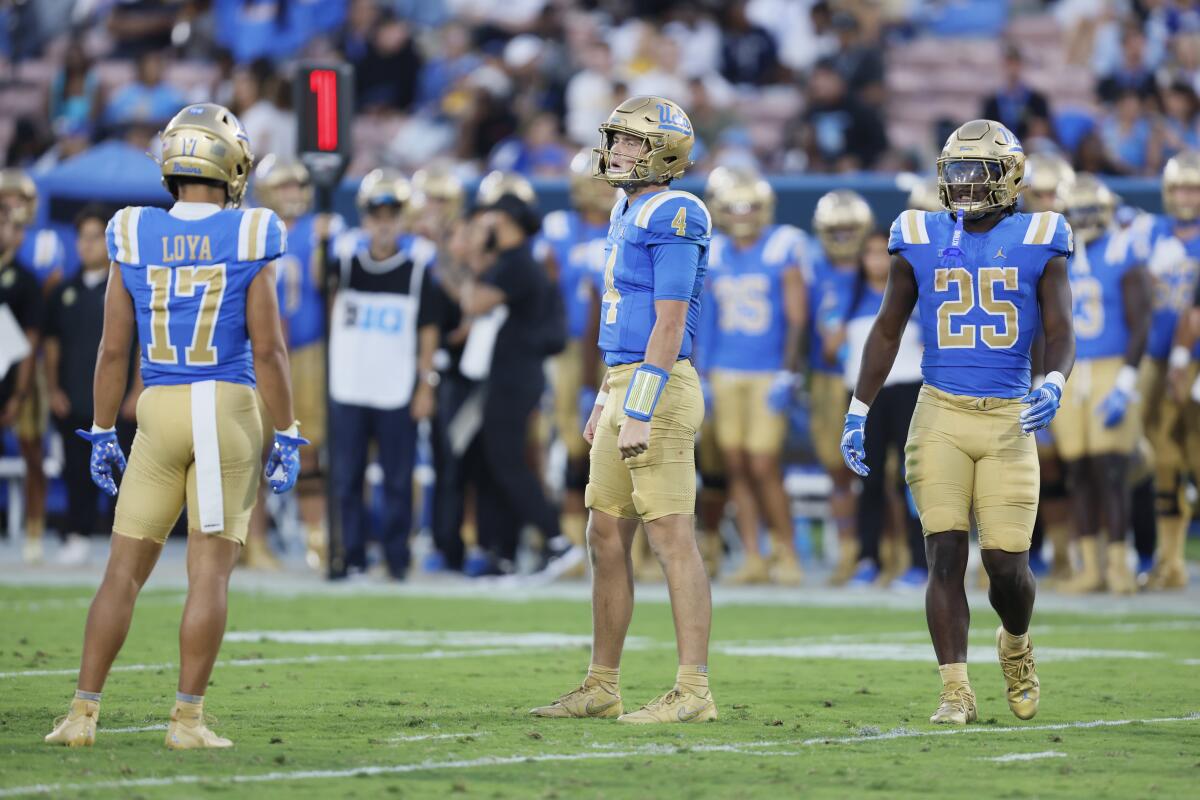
1025,756
421,737
142,729
432,655
748,748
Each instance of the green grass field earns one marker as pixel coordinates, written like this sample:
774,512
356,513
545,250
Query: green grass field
394,695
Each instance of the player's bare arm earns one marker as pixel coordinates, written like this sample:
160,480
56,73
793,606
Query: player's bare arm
883,341
795,306
112,362
589,429
269,347
661,351
1054,297
1136,298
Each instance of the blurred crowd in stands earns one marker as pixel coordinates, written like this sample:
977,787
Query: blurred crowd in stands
791,86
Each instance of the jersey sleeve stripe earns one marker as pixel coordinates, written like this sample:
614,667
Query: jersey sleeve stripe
652,205
1045,231
135,251
243,247
1035,224
912,227
921,227
121,235
264,226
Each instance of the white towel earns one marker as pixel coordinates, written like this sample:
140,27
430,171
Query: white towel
476,361
208,457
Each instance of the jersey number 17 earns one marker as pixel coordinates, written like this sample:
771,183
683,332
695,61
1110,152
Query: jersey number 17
200,351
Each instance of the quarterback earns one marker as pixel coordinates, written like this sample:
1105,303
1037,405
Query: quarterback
983,275
196,284
642,428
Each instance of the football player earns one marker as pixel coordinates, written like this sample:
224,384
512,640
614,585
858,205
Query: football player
196,285
285,188
437,201
40,252
983,274
1099,423
923,195
758,290
1172,254
1048,180
842,222
643,426
572,244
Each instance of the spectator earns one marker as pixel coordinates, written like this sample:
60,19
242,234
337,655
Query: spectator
452,60
709,118
74,95
73,324
383,334
138,27
1177,129
538,151
488,118
386,74
1019,107
859,61
838,133
270,128
748,53
510,297
590,93
1126,132
663,77
149,99
699,38
1131,74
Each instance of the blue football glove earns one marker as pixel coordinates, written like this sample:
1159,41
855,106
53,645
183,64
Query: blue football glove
782,391
1113,407
283,465
853,450
587,401
106,454
1043,405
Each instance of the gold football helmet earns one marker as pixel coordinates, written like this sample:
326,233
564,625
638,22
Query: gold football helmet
667,139
273,173
496,184
1090,207
842,221
437,184
924,195
206,140
981,168
1047,182
17,184
1182,172
383,187
741,202
589,195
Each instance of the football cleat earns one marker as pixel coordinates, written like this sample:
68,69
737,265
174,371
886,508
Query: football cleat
676,705
956,705
785,567
752,571
188,731
589,700
847,563
1117,574
78,727
1020,677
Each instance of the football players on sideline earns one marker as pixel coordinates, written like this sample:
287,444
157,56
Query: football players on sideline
643,425
983,274
197,286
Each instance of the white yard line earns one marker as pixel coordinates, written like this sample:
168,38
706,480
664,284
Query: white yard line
143,729
749,748
1026,756
433,655
421,737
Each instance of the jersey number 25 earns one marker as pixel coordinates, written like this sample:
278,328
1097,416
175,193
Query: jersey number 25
997,337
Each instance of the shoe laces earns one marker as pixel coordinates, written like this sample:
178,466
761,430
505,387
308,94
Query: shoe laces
666,699
1019,668
958,696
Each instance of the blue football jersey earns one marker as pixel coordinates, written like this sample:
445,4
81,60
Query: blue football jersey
42,254
297,274
1174,265
1096,272
830,294
639,232
578,249
978,321
188,279
747,290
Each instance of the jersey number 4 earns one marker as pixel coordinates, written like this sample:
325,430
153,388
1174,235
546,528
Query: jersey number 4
200,351
997,337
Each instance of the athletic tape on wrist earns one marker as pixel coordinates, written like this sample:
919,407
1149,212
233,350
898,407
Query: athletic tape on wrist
1056,379
858,407
1180,356
1127,378
644,390
601,398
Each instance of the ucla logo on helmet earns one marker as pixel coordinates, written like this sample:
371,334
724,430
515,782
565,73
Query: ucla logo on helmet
672,119
177,167
196,110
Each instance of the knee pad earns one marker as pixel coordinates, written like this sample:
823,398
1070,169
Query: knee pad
1166,504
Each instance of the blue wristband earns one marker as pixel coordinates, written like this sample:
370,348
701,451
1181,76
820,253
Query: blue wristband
644,390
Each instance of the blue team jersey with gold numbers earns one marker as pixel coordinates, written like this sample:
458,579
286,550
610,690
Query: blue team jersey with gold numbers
578,249
43,255
188,279
646,256
297,277
830,295
1096,271
1174,265
747,290
979,320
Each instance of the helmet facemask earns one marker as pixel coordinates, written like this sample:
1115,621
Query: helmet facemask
975,186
